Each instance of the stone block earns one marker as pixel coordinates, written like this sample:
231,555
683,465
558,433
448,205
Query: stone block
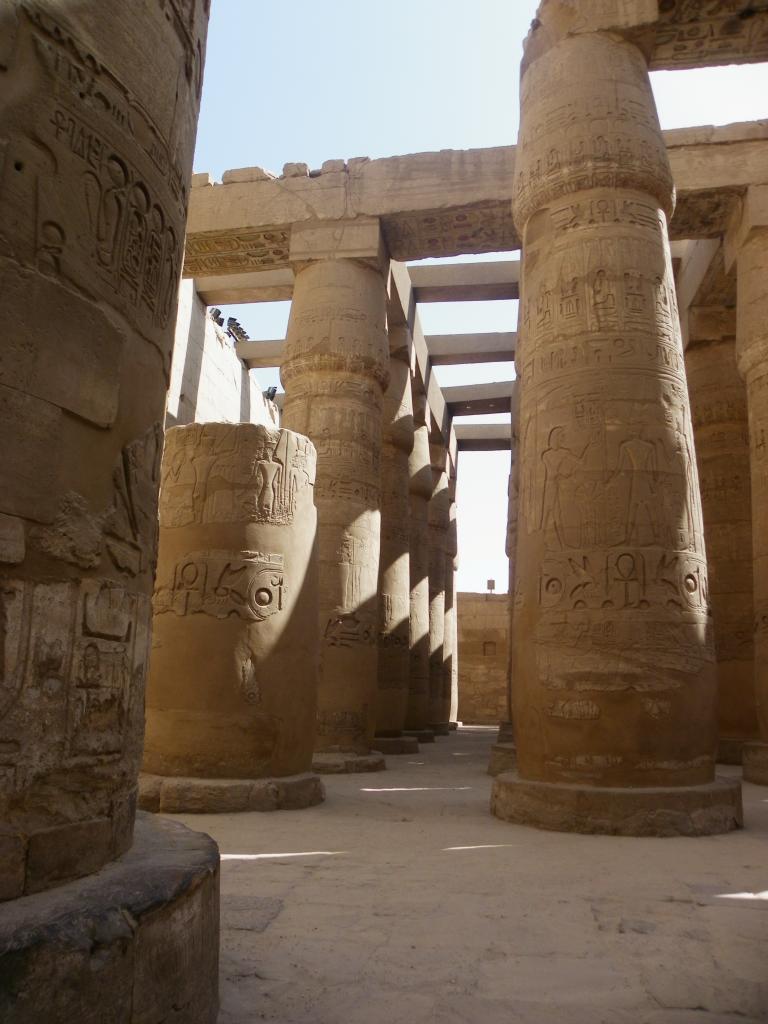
333,166
12,544
201,180
295,170
755,761
204,796
13,855
247,174
67,851
136,943
709,809
340,763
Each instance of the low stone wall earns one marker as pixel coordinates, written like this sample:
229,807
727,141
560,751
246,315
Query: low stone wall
483,626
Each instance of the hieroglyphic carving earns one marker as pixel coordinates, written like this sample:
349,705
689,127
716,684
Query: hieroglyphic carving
229,252
248,584
243,472
232,687
611,590
693,34
486,227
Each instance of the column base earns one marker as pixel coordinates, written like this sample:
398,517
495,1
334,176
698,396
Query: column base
340,763
422,735
137,942
396,744
755,761
506,733
676,811
729,751
453,726
182,795
441,729
503,758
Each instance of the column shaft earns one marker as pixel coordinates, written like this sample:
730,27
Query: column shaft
420,492
439,511
614,687
752,355
335,373
97,142
719,410
394,569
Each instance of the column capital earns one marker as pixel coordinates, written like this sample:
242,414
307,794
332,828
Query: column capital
749,220
359,239
556,19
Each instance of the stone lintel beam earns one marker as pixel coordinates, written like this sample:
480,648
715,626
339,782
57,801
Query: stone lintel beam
483,437
442,349
258,355
466,282
480,399
447,203
249,286
482,347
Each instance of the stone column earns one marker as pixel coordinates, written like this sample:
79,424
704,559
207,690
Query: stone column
394,568
439,513
98,131
614,683
420,491
450,660
335,372
721,433
503,755
747,243
232,693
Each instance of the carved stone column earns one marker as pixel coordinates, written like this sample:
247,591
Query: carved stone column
450,659
747,243
97,138
504,753
394,568
420,491
721,433
335,372
614,683
232,693
439,513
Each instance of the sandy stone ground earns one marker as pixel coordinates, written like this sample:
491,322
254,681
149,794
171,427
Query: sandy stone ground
402,900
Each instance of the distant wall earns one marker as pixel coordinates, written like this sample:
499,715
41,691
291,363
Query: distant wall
208,382
483,624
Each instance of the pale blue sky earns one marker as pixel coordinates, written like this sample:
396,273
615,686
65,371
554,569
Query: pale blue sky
308,82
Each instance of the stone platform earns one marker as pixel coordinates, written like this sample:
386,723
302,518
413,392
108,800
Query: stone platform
396,744
441,729
503,758
135,943
343,764
755,761
421,735
729,751
183,795
680,811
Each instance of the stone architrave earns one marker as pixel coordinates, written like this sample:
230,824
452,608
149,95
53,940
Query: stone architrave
450,658
232,691
721,434
420,470
614,681
747,244
439,517
97,120
394,567
335,373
